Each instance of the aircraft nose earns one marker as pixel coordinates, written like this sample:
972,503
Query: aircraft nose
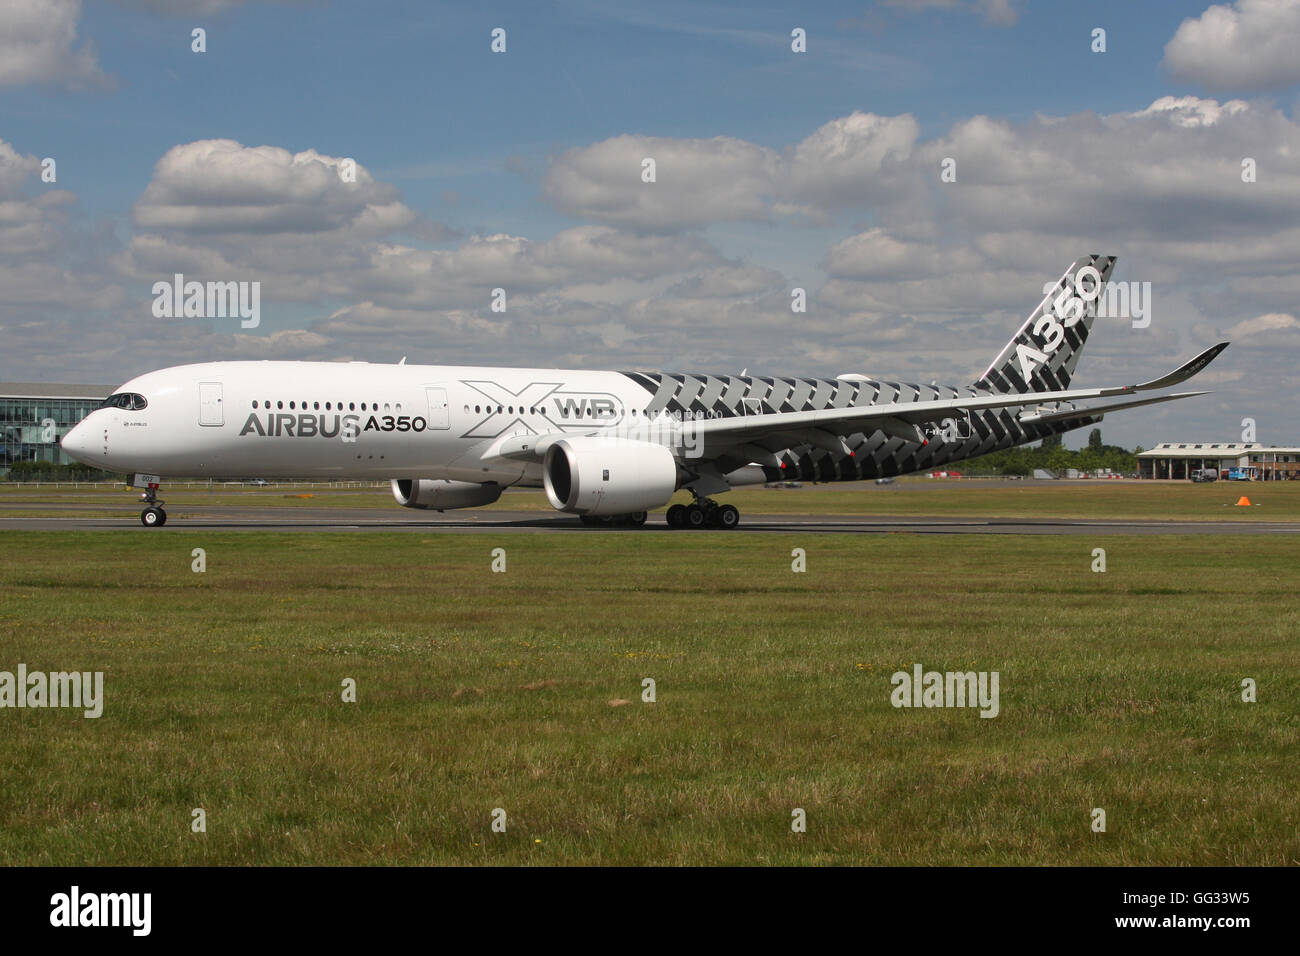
77,443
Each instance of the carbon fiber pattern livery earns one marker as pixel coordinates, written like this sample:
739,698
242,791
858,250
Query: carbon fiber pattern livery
1006,374
1047,345
875,454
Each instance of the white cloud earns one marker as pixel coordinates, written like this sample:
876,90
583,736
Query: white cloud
38,44
698,181
219,209
1171,173
853,160
221,186
1272,322
1247,45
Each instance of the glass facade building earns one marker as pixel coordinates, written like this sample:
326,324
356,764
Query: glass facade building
34,417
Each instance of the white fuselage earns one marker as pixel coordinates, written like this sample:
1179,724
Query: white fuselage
351,420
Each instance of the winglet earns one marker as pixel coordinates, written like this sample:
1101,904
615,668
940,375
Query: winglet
1186,371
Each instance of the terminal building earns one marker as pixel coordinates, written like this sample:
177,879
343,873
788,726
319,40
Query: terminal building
1178,461
34,417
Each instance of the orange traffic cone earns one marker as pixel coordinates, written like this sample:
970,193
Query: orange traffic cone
1243,502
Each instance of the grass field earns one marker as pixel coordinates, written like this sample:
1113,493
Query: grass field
522,690
993,498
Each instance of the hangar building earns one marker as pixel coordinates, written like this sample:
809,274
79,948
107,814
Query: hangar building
1179,460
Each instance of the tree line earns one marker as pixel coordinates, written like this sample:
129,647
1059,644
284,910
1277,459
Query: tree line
1052,455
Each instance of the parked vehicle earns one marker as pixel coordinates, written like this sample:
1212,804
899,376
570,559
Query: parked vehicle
1205,474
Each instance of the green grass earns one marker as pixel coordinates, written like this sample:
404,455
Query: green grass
479,690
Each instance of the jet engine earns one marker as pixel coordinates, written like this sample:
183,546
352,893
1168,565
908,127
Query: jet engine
442,494
608,476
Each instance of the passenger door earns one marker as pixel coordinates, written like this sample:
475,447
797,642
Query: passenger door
210,410
439,411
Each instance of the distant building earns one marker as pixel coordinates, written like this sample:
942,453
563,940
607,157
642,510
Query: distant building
34,417
1180,460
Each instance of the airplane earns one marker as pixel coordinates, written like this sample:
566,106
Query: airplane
607,446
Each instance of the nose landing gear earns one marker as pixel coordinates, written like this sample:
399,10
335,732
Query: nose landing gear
153,515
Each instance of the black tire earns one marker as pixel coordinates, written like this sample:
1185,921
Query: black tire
637,518
162,517
695,517
676,516
150,517
728,517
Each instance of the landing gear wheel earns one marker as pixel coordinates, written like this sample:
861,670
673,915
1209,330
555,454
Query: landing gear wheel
695,517
676,516
153,516
637,518
728,517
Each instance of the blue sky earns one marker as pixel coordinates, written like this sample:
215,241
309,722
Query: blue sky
487,170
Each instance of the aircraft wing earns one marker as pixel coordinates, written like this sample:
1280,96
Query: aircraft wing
897,415
826,427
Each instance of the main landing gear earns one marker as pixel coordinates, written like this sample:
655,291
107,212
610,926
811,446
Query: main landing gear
153,516
703,513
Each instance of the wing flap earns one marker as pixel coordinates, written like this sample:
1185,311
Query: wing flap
1062,415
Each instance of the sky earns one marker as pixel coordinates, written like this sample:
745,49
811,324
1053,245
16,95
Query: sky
919,169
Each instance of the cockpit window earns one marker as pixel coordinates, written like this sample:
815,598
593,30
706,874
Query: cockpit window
129,401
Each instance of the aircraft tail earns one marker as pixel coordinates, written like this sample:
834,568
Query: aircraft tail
1042,354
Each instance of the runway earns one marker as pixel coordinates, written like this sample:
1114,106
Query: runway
334,519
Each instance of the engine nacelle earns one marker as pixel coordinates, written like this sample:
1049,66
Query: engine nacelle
444,495
608,476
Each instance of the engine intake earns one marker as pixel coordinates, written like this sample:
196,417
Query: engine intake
443,495
608,476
